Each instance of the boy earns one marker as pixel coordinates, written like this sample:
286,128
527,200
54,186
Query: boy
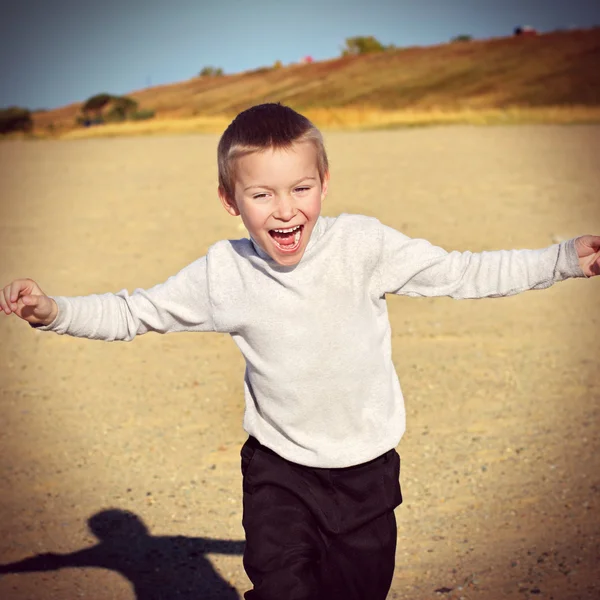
304,300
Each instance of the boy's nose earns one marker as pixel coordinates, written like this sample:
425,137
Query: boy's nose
285,208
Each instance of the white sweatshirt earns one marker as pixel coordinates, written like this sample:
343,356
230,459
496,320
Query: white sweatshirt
320,386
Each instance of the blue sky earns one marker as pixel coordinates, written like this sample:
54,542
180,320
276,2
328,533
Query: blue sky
54,52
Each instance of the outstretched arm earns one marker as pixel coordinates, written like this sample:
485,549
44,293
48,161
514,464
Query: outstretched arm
181,303
415,267
49,561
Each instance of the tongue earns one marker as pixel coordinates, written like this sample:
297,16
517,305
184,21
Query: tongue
283,239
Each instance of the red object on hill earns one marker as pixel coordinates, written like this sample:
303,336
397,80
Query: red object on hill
306,60
525,30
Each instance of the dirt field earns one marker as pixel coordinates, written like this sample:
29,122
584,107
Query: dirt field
131,451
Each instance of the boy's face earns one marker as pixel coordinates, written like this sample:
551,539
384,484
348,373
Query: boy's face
278,194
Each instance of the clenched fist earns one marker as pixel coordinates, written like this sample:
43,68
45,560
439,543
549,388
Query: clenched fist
588,251
24,298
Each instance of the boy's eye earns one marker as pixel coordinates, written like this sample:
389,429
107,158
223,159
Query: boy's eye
259,196
302,188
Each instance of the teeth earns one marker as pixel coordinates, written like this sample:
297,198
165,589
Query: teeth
297,236
297,228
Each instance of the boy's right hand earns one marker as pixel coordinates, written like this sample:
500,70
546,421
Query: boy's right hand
25,298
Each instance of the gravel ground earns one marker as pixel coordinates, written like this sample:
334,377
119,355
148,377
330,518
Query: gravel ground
120,462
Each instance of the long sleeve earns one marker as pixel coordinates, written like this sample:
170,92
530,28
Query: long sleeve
415,267
182,303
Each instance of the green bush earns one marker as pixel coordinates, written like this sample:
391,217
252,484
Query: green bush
115,115
211,72
121,108
125,103
142,115
106,108
362,45
463,37
15,119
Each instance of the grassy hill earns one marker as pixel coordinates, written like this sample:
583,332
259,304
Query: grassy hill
525,75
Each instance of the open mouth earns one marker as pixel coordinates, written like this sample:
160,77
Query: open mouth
287,239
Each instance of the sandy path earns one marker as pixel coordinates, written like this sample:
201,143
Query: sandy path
501,460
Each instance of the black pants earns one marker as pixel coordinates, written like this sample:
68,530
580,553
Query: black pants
318,534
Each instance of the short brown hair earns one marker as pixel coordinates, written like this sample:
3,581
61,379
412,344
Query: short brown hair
262,127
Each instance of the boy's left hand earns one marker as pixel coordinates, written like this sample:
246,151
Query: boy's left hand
588,250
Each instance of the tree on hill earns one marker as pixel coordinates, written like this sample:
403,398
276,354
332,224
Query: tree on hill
14,119
97,102
362,44
463,37
122,107
211,72
106,107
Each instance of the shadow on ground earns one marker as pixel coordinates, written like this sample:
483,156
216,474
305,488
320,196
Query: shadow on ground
158,567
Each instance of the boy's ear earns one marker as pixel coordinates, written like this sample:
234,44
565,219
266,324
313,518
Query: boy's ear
325,186
228,203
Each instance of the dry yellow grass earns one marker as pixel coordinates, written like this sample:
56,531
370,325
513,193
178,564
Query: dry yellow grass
356,119
367,118
152,127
